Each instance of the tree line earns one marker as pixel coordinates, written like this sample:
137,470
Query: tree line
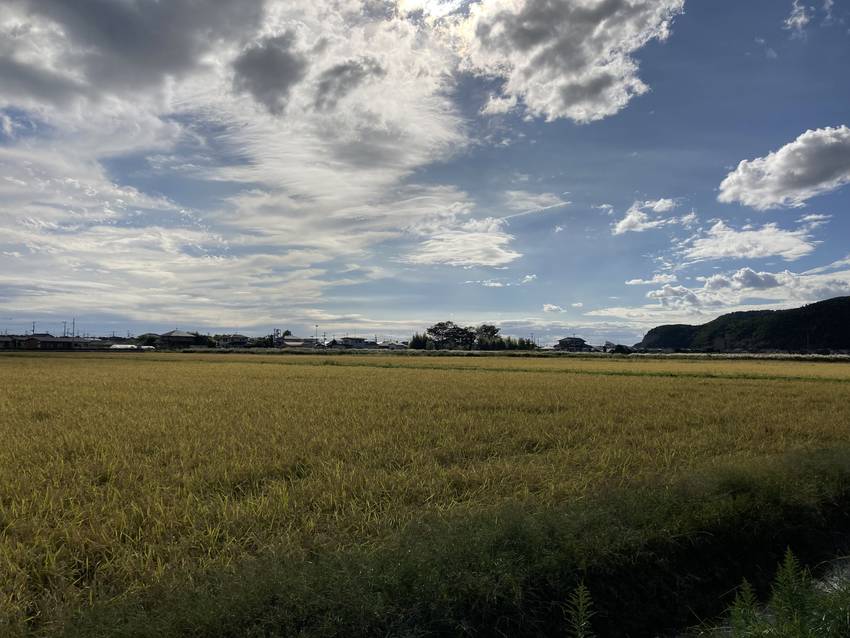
447,335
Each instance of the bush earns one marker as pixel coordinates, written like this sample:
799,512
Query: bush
799,607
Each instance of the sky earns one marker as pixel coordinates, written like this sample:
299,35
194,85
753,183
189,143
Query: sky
370,167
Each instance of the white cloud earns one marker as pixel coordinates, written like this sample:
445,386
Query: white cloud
524,202
499,105
798,19
363,106
663,205
577,304
548,307
827,9
817,162
481,242
564,59
723,242
745,278
814,220
637,219
497,283
670,295
741,290
658,278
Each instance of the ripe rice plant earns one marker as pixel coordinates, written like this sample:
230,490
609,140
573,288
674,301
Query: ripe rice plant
124,476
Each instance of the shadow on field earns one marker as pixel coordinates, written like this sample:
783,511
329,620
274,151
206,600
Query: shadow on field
656,559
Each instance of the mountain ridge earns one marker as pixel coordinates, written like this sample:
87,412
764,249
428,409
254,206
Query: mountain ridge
823,325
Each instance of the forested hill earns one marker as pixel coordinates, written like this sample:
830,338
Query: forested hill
824,325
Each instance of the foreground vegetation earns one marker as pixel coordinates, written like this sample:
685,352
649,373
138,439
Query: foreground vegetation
799,607
178,495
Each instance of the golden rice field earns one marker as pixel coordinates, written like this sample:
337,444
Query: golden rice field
121,471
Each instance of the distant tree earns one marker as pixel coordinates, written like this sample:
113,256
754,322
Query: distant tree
418,342
148,340
202,340
447,335
486,331
487,338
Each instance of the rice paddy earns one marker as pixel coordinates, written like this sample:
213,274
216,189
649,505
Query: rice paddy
123,473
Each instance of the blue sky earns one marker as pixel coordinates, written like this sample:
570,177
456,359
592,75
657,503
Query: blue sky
589,167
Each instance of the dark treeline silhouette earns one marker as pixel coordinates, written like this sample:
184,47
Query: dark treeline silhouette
824,325
447,335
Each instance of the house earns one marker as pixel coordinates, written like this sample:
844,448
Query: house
233,341
6,342
177,339
356,342
43,341
573,344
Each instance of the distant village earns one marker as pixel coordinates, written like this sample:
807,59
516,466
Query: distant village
182,340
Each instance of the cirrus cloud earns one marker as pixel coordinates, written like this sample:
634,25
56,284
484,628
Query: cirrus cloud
476,243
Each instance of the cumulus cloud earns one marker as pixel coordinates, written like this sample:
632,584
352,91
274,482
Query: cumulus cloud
269,69
658,278
497,105
341,79
637,219
724,242
549,307
745,278
269,233
670,295
131,45
734,291
817,162
565,59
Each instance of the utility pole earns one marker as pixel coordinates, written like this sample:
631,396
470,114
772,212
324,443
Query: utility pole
33,327
64,328
317,332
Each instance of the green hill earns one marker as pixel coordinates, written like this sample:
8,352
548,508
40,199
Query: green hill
824,325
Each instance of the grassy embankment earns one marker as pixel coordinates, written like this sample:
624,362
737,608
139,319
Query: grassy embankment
201,495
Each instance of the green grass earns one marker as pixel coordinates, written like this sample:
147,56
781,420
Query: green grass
799,606
274,495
